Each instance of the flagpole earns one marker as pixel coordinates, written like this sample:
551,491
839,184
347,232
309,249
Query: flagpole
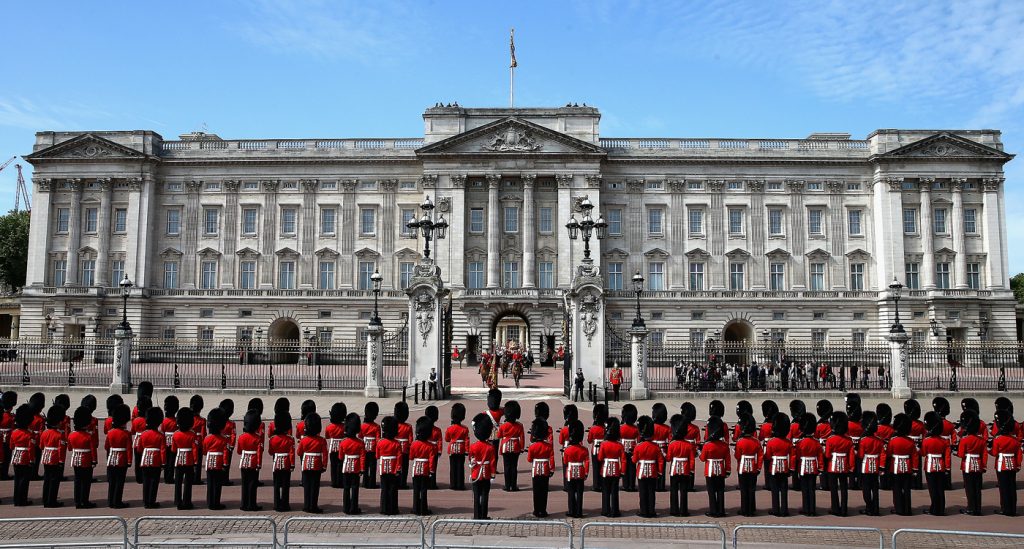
511,87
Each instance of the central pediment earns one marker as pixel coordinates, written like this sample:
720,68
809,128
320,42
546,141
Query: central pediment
90,147
511,136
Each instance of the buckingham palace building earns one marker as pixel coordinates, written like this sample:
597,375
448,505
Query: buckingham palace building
739,238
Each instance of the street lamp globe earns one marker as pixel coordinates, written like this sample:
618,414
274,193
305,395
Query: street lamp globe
126,287
896,288
638,287
602,227
377,279
573,226
638,282
442,228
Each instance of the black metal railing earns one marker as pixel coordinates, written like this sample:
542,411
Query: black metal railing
395,353
971,366
618,350
56,361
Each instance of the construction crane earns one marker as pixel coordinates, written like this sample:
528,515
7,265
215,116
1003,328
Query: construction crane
21,193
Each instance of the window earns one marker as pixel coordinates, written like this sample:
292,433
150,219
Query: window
251,185
170,274
286,275
775,185
909,221
327,275
60,272
853,186
328,220
405,274
908,186
696,315
511,219
697,340
63,219
247,275
694,185
859,338
407,185
940,220
974,276
615,276
511,270
545,225
326,335
366,269
913,276
654,221
205,313
814,186
696,221
211,221
655,185
814,216
858,316
970,221
323,313
697,276
856,276
249,221
735,186
656,276
288,220
736,276
817,277
942,275
735,221
206,333
854,217
91,216
173,221
774,221
116,271
777,277
367,185
408,214
778,315
818,315
88,272
818,337
367,221
120,220
657,315
168,333
546,278
615,221
476,220
657,338
476,275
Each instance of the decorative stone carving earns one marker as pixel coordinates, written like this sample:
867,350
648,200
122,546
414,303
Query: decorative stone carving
755,185
715,185
835,185
424,315
193,185
391,185
75,184
895,184
635,185
512,139
270,185
594,181
134,183
105,183
473,318
91,150
444,204
492,180
43,184
576,201
231,185
958,183
309,185
564,180
676,185
590,309
795,185
429,181
458,180
349,185
925,184
528,179
991,184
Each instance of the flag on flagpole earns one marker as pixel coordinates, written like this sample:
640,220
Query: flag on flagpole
512,48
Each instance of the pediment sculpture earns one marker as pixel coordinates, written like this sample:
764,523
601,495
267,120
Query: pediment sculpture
512,139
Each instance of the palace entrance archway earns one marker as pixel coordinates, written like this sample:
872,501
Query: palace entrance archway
284,341
737,337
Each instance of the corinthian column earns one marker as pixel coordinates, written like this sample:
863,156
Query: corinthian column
103,251
74,232
925,227
493,231
956,228
529,233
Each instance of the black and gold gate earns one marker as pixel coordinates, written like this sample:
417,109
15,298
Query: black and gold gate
446,350
567,357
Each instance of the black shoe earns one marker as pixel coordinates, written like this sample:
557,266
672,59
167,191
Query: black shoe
187,507
229,483
121,505
53,505
86,505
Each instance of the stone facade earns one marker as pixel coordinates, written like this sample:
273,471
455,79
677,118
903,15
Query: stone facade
747,237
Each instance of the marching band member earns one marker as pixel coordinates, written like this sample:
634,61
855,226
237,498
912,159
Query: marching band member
118,445
749,457
662,434
184,452
53,447
807,458
457,437
214,446
8,401
903,461
312,450
840,455
512,442
142,407
541,457
717,465
797,409
352,454
912,408
389,462
630,438
168,428
151,449
1006,450
404,439
82,462
822,431
250,457
595,436
871,453
437,439
423,460
196,404
611,457
281,448
481,464
334,433
941,407
679,464
576,465
650,463
369,432
973,460
778,457
935,460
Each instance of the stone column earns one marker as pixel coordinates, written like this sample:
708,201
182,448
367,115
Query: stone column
992,233
374,360
267,273
133,263
565,266
190,234
714,231
493,232
835,232
887,217
956,228
308,270
529,230
103,228
347,229
925,227
638,376
122,378
39,232
74,232
15,326
898,364
230,232
797,234
756,221
388,228
587,309
457,231
426,334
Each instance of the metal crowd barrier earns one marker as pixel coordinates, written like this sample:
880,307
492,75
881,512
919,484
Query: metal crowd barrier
822,530
958,533
174,524
351,527
528,533
11,537
682,526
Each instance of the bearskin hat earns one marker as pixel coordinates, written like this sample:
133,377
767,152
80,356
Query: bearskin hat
432,412
154,417
542,410
744,407
143,404
401,411
370,411
185,419
9,400
808,423
145,389
458,412
38,402
424,428
251,421
854,411
338,413
970,422
307,407
912,408
715,428
1003,403
494,399
768,409
824,409
941,406
512,411
852,397
645,427
969,403
539,430
678,425
282,404
659,413
883,414
82,419
933,424
570,414
611,430
55,415
256,405
282,423
747,424
716,409
840,423
576,432
228,406
352,425
1005,422
688,411
196,403
121,416
600,414
23,416
113,401
482,426
901,424
170,406
869,421
313,424
629,414
780,425
797,409
216,420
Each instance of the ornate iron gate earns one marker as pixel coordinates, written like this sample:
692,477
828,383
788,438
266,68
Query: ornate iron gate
395,351
618,349
446,350
567,348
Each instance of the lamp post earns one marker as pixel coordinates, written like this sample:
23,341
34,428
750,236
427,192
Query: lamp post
428,226
50,329
376,278
896,289
638,287
934,326
126,287
587,226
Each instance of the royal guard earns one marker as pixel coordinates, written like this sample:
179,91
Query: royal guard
281,449
595,436
883,414
37,403
64,401
352,454
256,405
611,458
576,466
542,411
778,461
569,414
145,389
496,413
717,465
88,401
855,431
8,401
822,431
615,379
250,458
971,404
1003,403
973,460
902,463
840,457
807,460
743,408
213,458
912,408
168,428
184,452
404,439
630,437
764,433
369,433
940,405
679,464
118,445
423,462
717,409
53,448
81,456
23,450
481,464
662,434
138,427
935,460
693,436
334,433
437,439
307,407
196,404
150,447
512,442
389,462
871,456
650,464
797,409
113,401
541,457
281,406
1006,451
749,461
312,451
457,437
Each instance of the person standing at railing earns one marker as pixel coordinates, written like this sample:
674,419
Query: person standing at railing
118,445
1006,451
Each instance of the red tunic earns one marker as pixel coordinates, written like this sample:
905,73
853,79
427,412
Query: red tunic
404,437
935,455
662,434
23,448
108,424
138,427
854,431
250,448
437,439
1007,453
749,455
482,458
312,453
885,433
917,431
334,434
612,458
822,431
496,416
199,427
215,452
629,435
389,453
903,456
457,437
168,428
681,458
871,452
649,461
422,458
541,458
778,456
80,443
765,432
230,433
300,429
725,432
284,445
794,432
715,455
693,434
840,453
369,433
573,455
153,441
352,453
118,445
615,377
595,436
563,437
807,456
974,446
184,448
512,440
949,432
53,447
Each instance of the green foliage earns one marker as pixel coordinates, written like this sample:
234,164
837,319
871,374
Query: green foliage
1017,285
13,250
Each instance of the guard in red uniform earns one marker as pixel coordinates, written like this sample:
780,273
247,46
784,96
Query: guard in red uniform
138,427
941,407
312,451
764,433
778,461
423,461
630,438
542,411
281,449
1003,403
436,439
230,434
81,452
8,401
196,404
807,460
743,408
369,433
281,406
53,447
150,447
902,463
595,436
797,409
912,408
615,379
404,439
249,447
935,460
855,432
749,461
693,436
1006,451
185,452
334,433
352,454
168,428
883,412
496,413
973,460
650,465
213,458
821,432
512,442
679,464
145,389
37,402
389,461
541,457
971,404
717,409
840,456
871,455
457,437
118,445
662,434
611,458
23,450
576,466
481,464
717,465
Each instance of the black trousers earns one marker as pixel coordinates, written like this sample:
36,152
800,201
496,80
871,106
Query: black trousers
795,480
937,493
169,466
716,495
214,487
183,486
748,491
350,493
679,498
575,489
481,495
595,470
83,485
311,490
615,392
457,471
919,479
335,470
809,504
22,478
250,483
1007,492
659,484
779,486
855,475
540,495
869,487
370,474
389,494
52,475
420,487
629,479
138,467
150,485
610,497
839,485
433,474
972,487
115,486
901,484
282,490
511,471
5,464
197,474
403,475
648,488
577,394
885,480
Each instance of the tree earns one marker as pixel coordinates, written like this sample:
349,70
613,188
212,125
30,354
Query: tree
13,250
1017,285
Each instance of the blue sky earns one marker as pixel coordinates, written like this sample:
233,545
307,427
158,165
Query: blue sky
338,69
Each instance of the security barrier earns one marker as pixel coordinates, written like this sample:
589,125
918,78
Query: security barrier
941,538
235,531
835,536
633,532
534,534
58,532
302,532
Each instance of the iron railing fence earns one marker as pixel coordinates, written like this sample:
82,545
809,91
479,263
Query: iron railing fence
56,361
395,351
618,350
966,366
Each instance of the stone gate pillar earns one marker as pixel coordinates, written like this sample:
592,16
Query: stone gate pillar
586,305
638,375
898,360
374,360
122,378
426,333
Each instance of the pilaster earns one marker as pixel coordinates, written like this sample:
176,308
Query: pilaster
638,372
529,232
925,229
374,361
103,228
39,232
74,232
993,233
956,228
493,232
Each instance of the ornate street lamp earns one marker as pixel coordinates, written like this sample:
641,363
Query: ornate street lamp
638,287
896,289
376,278
934,325
587,226
126,287
428,227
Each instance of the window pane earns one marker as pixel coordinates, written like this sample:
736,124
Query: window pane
697,276
547,274
328,220
857,276
511,271
615,276
654,221
656,276
777,277
407,216
63,217
814,221
366,269
974,276
696,221
288,220
970,220
545,220
90,220
942,275
326,275
209,277
913,280
120,220
735,221
116,271
476,275
909,220
368,224
170,274
88,272
854,218
287,278
615,221
736,276
774,221
817,276
940,220
405,274
249,221
511,219
173,221
247,277
476,220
